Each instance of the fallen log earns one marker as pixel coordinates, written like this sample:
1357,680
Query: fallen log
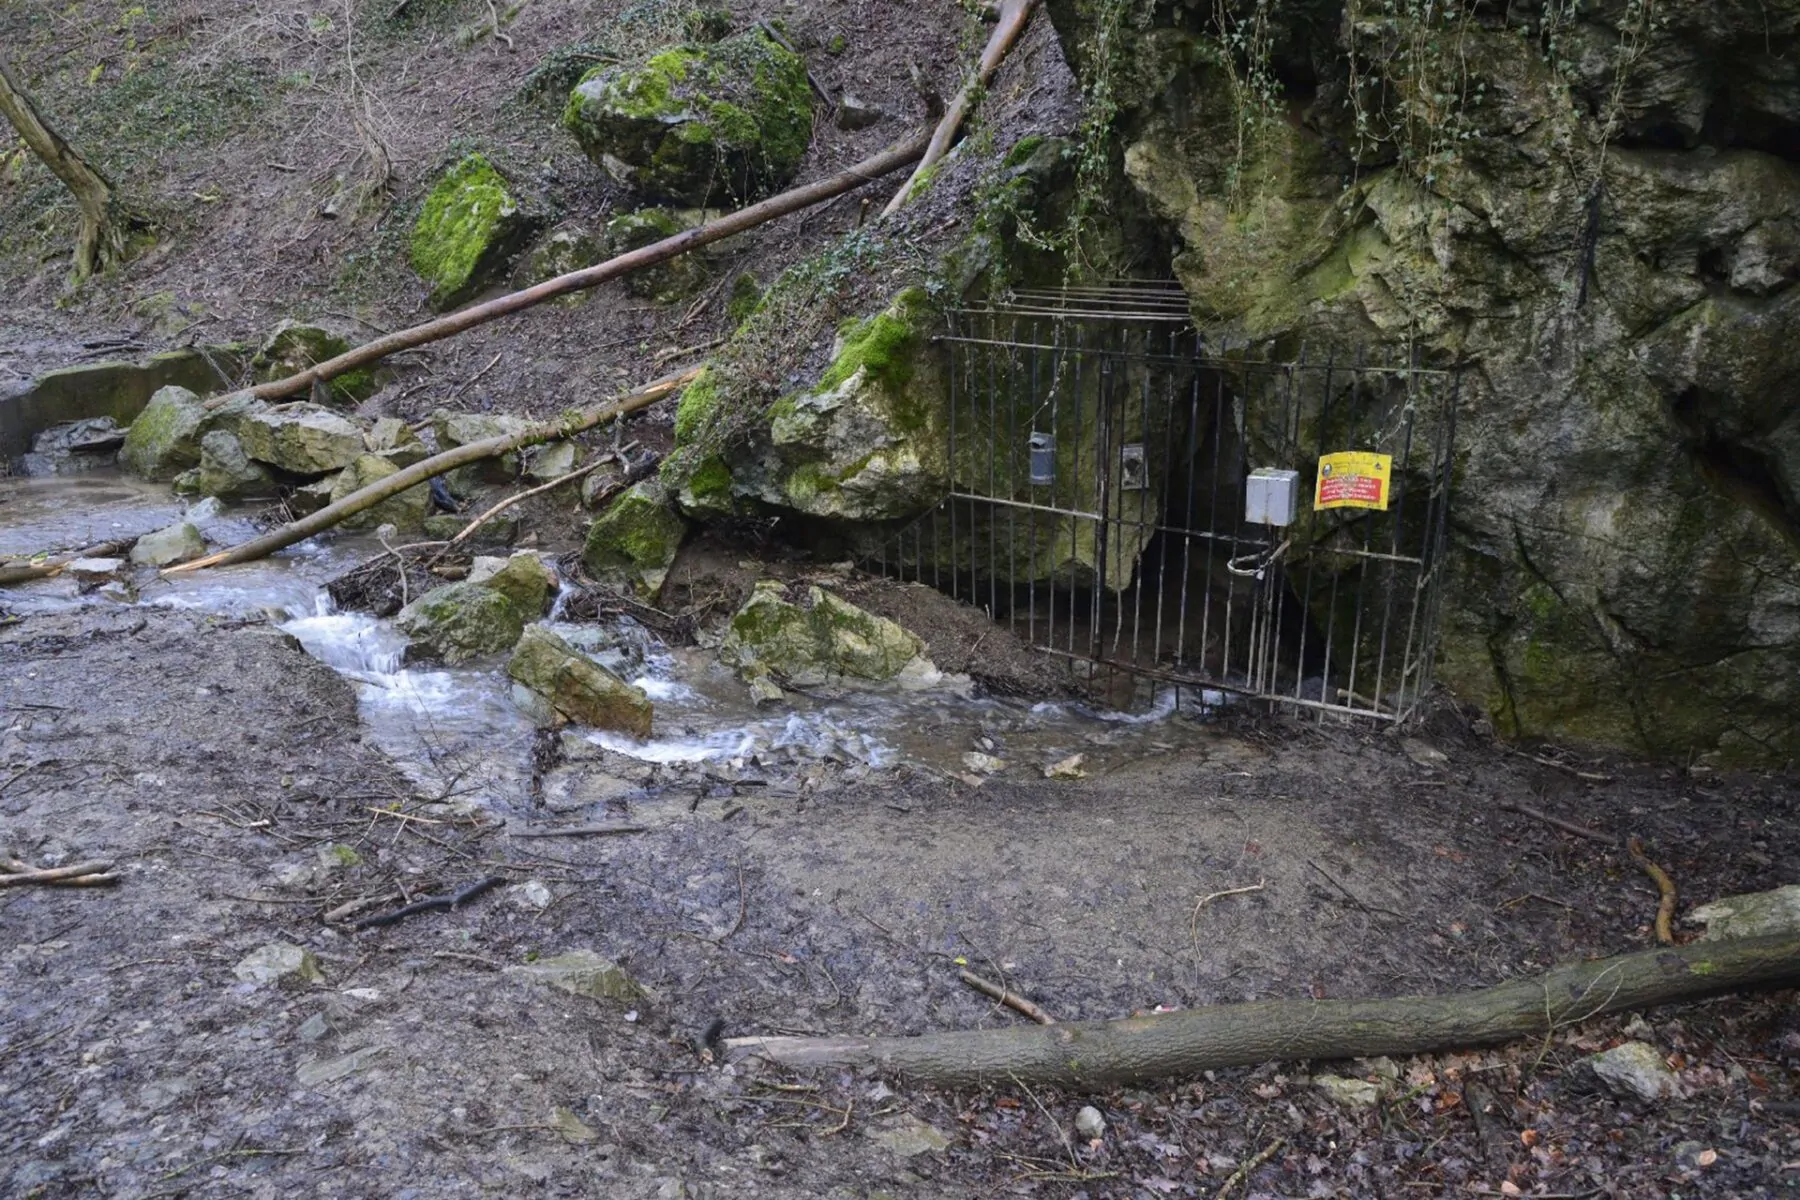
21,572
86,874
437,464
792,201
1014,14
1095,1053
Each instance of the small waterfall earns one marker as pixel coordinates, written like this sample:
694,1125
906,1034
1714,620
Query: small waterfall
356,644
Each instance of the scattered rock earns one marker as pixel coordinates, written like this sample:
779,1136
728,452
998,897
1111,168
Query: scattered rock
178,543
908,1136
577,686
983,764
698,124
1635,1069
552,461
522,578
571,1128
405,511
92,572
636,539
827,638
1424,753
226,472
393,439
854,113
764,690
294,346
302,439
311,497
74,447
335,856
459,622
278,962
1067,768
533,895
1357,1095
328,1070
1757,914
468,230
1089,1123
583,973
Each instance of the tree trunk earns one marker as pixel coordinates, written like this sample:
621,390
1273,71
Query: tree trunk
437,464
1094,1053
792,201
100,239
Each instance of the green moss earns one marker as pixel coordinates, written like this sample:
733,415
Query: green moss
469,226
921,183
884,345
746,294
1022,150
711,483
695,411
636,538
807,481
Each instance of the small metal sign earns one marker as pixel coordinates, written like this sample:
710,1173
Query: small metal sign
1354,479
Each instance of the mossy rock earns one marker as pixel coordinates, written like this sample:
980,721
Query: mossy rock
827,638
459,622
578,687
393,439
405,511
522,578
469,228
294,346
698,124
636,539
227,472
166,437
301,439
667,282
560,252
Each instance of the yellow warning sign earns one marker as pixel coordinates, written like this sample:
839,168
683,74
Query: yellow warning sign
1353,479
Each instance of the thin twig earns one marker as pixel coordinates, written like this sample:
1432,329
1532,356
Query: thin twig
1590,776
1525,810
577,831
1194,922
1242,1174
429,904
464,533
1350,895
1012,1000
1665,887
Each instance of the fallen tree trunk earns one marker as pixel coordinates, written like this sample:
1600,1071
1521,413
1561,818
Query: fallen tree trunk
1094,1053
20,572
437,464
1013,16
791,201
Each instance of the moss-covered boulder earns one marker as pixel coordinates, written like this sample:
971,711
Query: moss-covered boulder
227,472
522,578
293,346
165,438
822,639
301,439
634,542
459,622
578,687
405,511
569,248
698,124
468,230
668,282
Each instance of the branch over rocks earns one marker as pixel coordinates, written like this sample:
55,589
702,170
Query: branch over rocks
791,201
1097,1053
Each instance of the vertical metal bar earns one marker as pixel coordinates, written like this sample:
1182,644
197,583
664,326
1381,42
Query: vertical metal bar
1326,403
1190,464
1397,507
1166,497
993,470
1290,430
968,351
1037,356
1212,541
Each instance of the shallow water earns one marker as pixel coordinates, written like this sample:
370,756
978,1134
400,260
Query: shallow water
457,732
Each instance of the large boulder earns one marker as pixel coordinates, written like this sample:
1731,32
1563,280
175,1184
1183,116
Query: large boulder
227,472
667,282
178,543
455,429
1603,237
468,230
405,510
522,578
301,439
576,686
393,439
634,542
459,622
165,438
699,124
293,346
812,643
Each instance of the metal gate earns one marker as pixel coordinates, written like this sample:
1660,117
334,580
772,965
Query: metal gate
1099,454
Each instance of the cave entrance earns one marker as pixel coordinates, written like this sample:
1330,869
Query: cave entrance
1143,507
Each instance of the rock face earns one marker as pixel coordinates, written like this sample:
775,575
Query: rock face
302,439
826,638
578,687
635,540
459,622
469,228
698,124
392,439
405,511
1602,232
294,346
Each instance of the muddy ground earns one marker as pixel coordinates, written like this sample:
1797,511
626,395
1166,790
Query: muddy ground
213,760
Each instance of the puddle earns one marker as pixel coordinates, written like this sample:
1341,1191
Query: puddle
457,733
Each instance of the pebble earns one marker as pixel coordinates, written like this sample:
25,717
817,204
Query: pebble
1089,1123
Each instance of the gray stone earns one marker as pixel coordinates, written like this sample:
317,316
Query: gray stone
226,472
74,447
1756,914
1635,1069
311,497
635,541
523,578
577,686
302,439
460,622
827,638
455,429
329,1070
1357,1095
405,511
164,548
582,973
854,113
552,461
1089,1123
908,1136
92,572
279,962
165,438
393,439
533,895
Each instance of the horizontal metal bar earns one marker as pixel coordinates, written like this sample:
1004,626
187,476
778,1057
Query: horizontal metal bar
1202,681
1199,360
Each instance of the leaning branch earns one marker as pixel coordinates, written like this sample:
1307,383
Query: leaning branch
437,464
1095,1053
1013,17
792,201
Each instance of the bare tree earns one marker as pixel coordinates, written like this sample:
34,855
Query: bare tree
101,238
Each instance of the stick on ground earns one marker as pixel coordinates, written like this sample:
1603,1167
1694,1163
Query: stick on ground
429,904
1012,1000
1665,888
